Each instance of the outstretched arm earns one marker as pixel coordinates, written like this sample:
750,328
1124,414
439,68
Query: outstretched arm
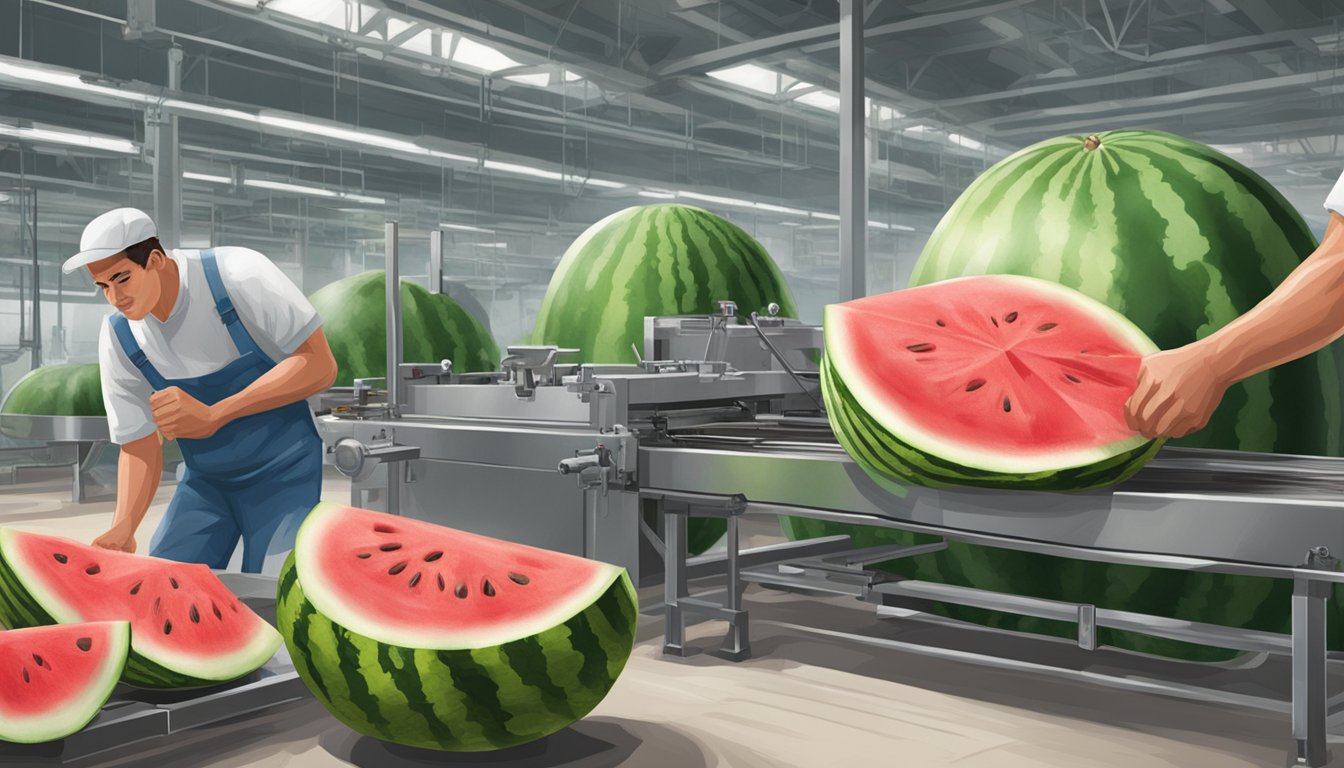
310,370
1179,389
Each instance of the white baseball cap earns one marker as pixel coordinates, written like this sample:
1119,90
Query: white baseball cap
110,234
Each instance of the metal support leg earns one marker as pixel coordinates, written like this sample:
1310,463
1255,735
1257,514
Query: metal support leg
674,578
1309,679
737,646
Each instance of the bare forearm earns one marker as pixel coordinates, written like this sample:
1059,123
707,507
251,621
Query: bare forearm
294,378
1302,315
138,471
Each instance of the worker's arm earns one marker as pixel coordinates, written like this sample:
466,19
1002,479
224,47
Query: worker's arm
1179,389
308,371
138,471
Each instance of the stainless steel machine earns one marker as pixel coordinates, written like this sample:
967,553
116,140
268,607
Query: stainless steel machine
721,417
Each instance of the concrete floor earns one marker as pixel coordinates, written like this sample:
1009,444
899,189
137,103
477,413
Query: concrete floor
806,699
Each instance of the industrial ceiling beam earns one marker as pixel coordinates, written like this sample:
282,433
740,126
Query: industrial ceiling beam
824,36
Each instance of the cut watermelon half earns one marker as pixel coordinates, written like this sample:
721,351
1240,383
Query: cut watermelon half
413,583
997,380
54,680
187,628
432,637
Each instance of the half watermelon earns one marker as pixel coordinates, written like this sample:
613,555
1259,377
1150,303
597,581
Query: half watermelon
997,381
431,637
54,680
187,628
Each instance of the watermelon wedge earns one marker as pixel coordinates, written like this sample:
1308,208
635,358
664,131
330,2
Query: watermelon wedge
432,637
997,381
54,680
187,628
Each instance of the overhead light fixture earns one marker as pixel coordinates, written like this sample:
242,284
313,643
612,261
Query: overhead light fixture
965,141
490,245
470,53
465,228
282,186
67,138
47,76
884,225
207,178
659,194
749,76
537,79
1228,149
245,3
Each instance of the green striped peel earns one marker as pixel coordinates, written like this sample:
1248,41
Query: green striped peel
62,389
1174,235
434,327
655,260
1180,239
466,699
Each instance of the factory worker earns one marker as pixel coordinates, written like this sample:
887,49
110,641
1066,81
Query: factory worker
1179,389
218,350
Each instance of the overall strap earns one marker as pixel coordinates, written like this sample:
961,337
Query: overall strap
224,306
122,328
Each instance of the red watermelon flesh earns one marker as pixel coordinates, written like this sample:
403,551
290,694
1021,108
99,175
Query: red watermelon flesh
416,584
998,373
187,627
54,680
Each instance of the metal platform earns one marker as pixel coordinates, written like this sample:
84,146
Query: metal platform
143,716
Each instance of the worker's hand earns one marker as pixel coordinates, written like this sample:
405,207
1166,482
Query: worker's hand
1177,392
119,538
178,414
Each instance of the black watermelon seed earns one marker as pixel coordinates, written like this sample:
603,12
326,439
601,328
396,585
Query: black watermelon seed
156,604
398,568
26,679
194,614
924,347
167,627
173,582
93,570
363,555
1047,326
380,528
442,586
1010,317
390,547
38,660
1073,378
994,320
460,590
62,559
488,588
218,615
519,578
414,579
432,556
975,384
1007,406
941,324
136,588
85,643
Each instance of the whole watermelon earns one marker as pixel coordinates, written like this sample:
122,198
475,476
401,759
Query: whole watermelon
61,389
1181,239
434,327
664,259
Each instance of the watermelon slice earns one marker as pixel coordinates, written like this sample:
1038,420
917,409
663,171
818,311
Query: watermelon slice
432,637
187,628
997,381
54,680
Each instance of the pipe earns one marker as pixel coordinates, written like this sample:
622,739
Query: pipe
393,321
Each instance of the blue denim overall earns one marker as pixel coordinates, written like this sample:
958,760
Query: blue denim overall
258,475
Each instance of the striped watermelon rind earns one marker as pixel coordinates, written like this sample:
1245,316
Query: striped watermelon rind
1181,241
442,693
61,389
434,327
655,260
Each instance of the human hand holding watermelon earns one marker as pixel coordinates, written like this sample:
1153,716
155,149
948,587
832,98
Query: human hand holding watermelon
1177,393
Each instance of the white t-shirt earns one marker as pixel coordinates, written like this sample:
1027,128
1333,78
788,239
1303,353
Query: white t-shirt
193,341
1335,200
